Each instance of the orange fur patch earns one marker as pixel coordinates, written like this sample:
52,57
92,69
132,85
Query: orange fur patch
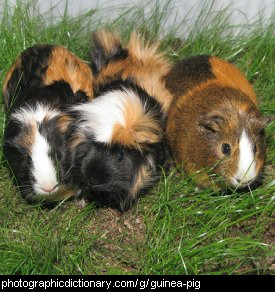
108,40
149,67
63,65
230,75
243,106
139,128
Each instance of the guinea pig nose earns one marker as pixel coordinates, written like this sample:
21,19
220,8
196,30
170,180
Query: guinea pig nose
49,189
239,181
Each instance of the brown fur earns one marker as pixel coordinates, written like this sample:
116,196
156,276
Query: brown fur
63,65
211,113
142,179
229,75
63,122
144,65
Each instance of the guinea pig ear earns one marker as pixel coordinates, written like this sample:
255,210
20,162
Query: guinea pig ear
210,122
265,121
258,124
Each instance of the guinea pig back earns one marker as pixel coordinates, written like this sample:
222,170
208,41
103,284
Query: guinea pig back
42,65
214,126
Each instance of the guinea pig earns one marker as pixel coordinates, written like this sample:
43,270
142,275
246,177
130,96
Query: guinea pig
214,126
43,81
115,141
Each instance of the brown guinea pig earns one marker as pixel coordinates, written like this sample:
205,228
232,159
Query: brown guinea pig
214,126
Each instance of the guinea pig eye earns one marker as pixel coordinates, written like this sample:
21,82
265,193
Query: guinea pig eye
226,148
262,132
29,160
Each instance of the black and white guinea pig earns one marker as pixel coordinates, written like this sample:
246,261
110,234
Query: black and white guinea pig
214,126
115,141
43,81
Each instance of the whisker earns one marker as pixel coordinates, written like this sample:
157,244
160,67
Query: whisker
69,170
27,192
25,185
248,185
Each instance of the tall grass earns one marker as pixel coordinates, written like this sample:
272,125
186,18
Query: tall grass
172,230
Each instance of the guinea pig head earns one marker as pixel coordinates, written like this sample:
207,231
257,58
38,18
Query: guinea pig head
236,145
111,175
32,148
222,136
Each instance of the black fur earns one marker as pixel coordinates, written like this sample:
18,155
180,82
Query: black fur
189,73
17,158
58,95
106,173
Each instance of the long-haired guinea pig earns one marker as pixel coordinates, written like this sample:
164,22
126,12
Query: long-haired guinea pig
214,125
115,141
43,81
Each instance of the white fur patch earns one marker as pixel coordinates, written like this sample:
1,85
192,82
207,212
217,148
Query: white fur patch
43,168
100,115
246,172
28,115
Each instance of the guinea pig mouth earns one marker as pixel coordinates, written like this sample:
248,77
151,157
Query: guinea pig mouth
247,185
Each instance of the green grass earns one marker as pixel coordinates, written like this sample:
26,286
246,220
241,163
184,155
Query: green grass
172,230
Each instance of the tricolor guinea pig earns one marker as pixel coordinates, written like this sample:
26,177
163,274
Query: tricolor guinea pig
115,141
214,126
43,81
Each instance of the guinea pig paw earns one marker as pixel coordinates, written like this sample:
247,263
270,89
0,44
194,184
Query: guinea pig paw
82,203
